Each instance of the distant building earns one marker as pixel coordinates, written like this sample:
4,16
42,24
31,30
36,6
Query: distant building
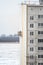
9,38
32,28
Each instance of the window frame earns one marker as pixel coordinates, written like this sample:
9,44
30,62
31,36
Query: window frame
31,48
31,41
31,25
31,33
31,17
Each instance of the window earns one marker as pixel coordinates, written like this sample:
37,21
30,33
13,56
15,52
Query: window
40,32
40,40
31,25
40,63
40,24
31,41
40,16
40,56
31,17
31,49
31,57
40,48
31,63
31,33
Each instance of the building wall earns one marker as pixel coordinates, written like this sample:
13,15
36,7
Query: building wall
30,42
24,16
34,11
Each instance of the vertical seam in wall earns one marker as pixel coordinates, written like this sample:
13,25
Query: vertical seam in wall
26,34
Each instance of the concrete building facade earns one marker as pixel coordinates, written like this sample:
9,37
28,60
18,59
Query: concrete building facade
32,28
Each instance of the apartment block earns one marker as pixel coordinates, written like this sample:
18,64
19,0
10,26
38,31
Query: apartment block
32,28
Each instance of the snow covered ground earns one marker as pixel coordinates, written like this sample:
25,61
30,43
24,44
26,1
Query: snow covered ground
10,54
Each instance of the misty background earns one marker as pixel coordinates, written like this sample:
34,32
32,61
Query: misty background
10,16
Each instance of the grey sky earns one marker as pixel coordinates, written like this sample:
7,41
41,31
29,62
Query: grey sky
10,16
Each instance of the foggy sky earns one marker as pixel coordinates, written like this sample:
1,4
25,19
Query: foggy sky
10,16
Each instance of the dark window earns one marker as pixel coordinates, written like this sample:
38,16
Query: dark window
31,33
40,48
40,32
40,24
31,17
40,40
40,56
40,16
31,25
40,63
31,41
31,49
31,63
31,57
